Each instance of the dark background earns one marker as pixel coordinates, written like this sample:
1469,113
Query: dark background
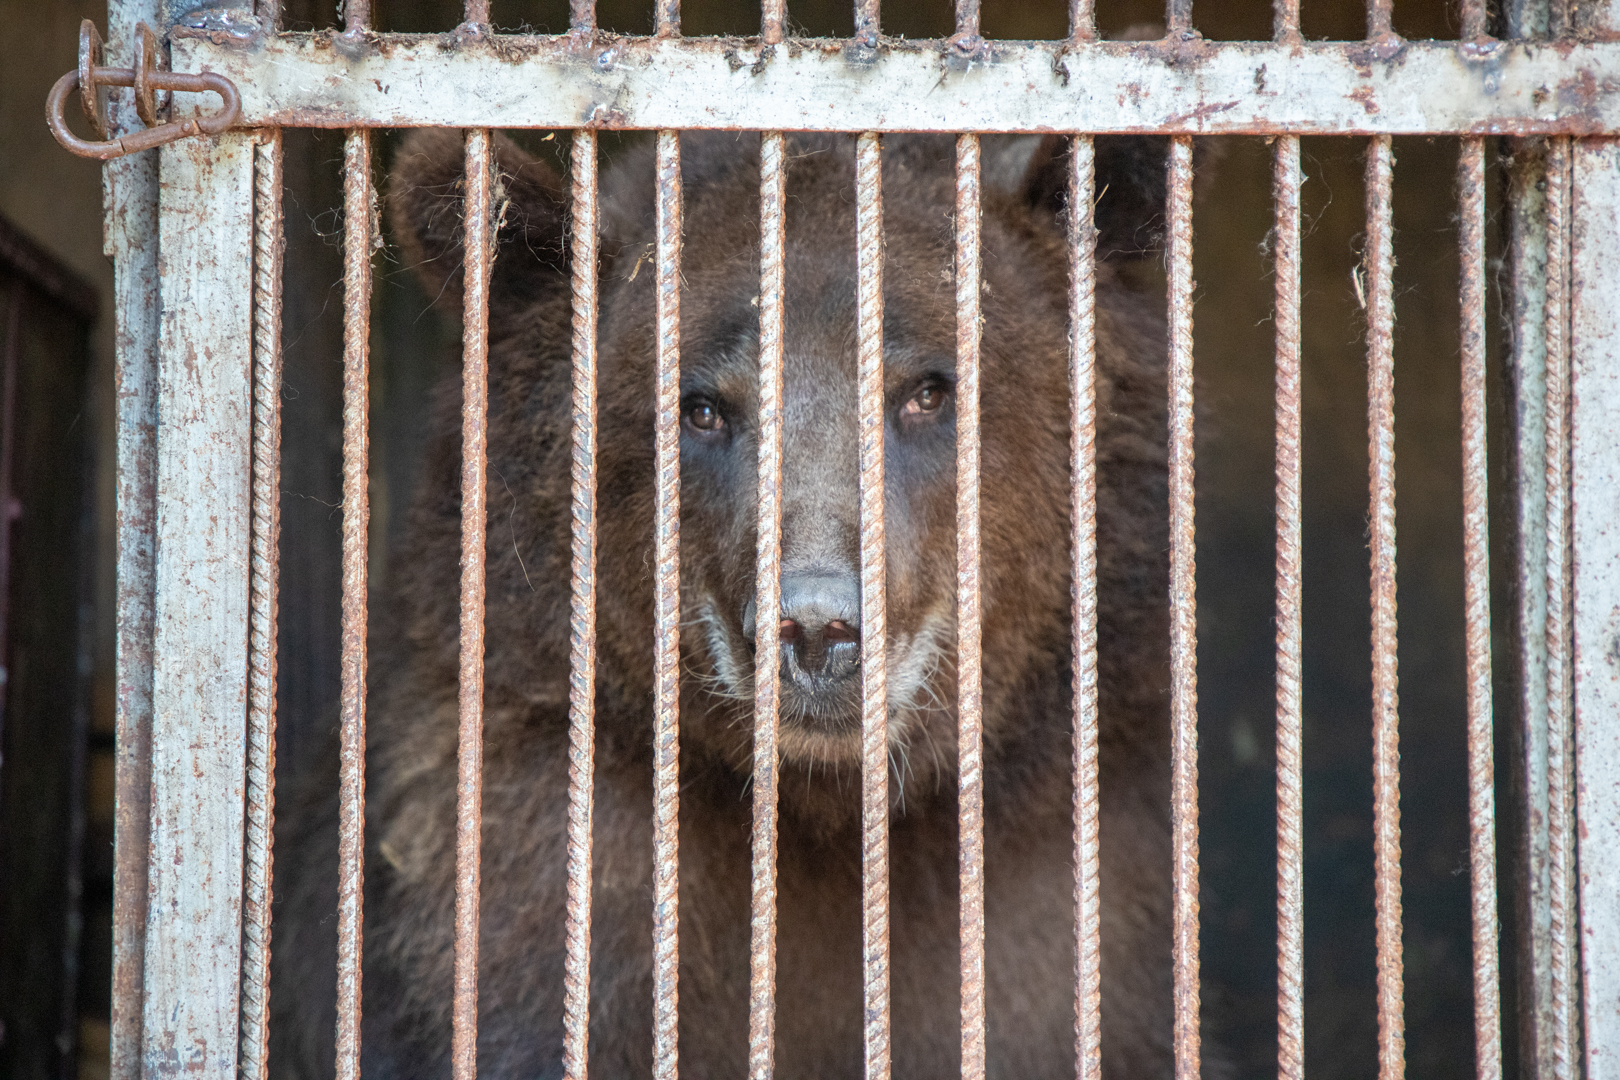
56,199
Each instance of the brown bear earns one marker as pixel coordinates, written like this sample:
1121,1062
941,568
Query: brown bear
1030,956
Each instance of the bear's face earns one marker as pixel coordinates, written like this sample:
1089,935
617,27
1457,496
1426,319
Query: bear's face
1025,431
820,619
1024,425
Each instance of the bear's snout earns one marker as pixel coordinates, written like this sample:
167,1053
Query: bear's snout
821,631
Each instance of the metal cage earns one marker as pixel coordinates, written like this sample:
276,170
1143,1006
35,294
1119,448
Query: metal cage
198,447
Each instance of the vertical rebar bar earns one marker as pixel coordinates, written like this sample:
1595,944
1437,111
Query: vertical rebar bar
359,231
356,16
1473,19
967,18
1285,19
1379,261
1286,182
1177,16
1183,615
476,13
969,672
1476,570
264,575
478,247
582,614
582,16
868,23
667,18
874,631
1082,20
667,615
772,21
1560,764
767,607
1380,18
1083,595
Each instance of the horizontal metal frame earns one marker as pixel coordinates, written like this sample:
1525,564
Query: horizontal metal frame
1387,87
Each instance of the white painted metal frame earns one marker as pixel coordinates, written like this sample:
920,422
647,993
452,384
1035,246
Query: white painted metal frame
184,492
401,80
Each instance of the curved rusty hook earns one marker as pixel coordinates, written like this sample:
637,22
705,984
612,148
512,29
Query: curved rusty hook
146,78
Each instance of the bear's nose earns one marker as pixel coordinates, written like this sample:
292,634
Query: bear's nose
820,630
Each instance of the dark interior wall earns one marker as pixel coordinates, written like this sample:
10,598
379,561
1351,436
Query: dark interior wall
54,199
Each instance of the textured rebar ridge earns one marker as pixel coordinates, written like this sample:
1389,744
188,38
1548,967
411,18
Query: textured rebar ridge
1083,515
359,232
667,616
1560,690
969,670
1290,806
767,605
582,616
1477,585
874,631
264,573
1183,617
1379,269
478,247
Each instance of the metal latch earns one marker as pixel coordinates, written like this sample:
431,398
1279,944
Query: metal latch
147,77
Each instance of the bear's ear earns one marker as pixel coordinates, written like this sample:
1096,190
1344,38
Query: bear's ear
529,202
1129,185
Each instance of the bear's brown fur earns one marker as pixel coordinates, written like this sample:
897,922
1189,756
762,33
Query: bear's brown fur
1028,794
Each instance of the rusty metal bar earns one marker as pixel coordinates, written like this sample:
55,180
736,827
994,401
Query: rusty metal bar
582,16
1083,595
1379,262
1474,24
1594,591
772,21
667,18
476,13
767,606
1082,20
1286,180
969,606
868,23
359,234
874,629
667,616
1559,697
478,246
967,20
131,185
263,584
1380,18
356,17
582,615
1296,88
1477,585
1183,616
1285,20
1177,17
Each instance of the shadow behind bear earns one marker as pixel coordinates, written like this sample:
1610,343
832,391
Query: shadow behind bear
411,766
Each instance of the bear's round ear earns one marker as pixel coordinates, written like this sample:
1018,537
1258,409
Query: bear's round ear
529,201
1129,184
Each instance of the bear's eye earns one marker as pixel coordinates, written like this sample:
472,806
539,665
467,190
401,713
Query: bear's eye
929,398
703,416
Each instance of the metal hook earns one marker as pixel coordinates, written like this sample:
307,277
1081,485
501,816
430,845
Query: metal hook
145,78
